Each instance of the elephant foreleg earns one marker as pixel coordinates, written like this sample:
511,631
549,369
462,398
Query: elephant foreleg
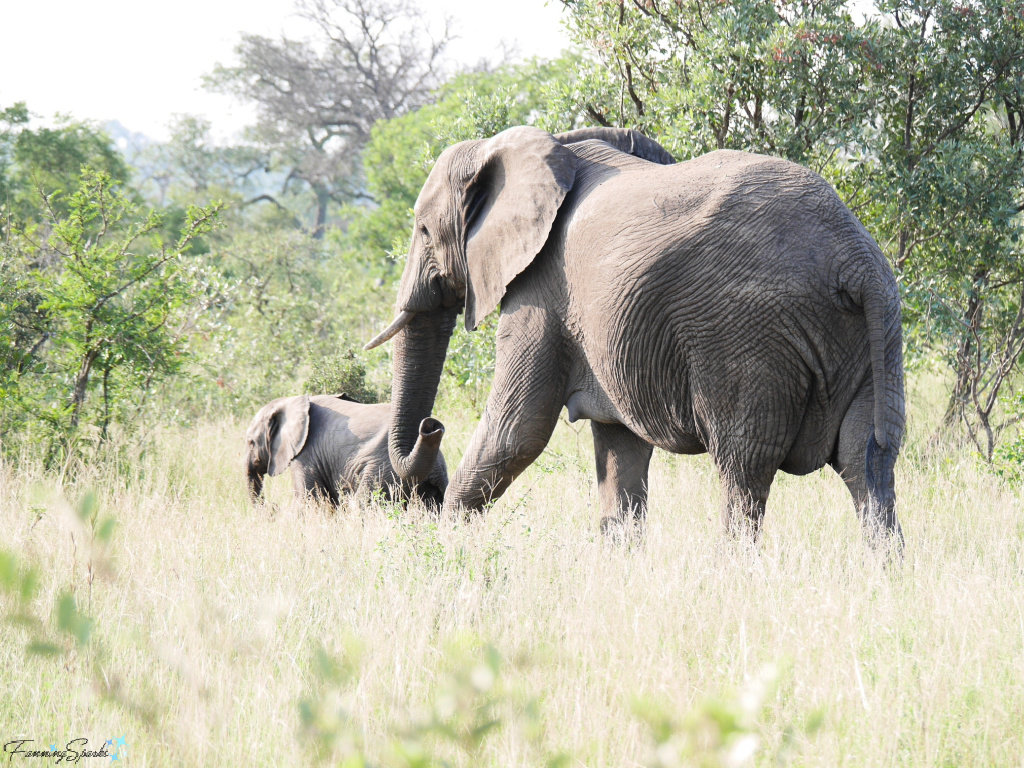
743,506
522,410
622,463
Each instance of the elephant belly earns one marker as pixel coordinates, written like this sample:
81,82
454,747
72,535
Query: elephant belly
708,319
815,438
685,443
695,384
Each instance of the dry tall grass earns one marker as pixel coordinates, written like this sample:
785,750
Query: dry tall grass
214,610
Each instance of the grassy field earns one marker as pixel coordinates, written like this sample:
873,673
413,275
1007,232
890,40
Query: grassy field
224,635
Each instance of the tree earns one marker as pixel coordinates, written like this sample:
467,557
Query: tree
914,112
112,305
192,164
13,119
49,158
946,174
294,304
317,102
777,77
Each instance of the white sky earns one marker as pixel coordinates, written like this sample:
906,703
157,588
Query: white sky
141,61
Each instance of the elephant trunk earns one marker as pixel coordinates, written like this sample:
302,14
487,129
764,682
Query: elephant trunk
419,352
418,464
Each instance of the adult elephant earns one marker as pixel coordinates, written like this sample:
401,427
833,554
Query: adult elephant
729,304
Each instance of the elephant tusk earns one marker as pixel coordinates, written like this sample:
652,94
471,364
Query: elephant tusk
403,319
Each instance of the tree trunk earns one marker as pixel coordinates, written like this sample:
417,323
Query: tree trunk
322,200
106,404
966,352
81,386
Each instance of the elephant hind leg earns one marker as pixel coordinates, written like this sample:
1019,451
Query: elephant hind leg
868,471
745,488
747,468
622,461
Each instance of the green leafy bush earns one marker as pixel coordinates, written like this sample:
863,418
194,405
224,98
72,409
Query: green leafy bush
1008,460
476,701
343,372
69,638
469,367
480,697
104,304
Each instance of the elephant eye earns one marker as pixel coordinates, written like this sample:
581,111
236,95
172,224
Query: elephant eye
425,234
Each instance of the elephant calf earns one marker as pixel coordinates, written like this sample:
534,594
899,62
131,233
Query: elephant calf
336,445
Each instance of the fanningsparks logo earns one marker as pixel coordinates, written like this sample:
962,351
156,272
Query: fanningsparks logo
72,752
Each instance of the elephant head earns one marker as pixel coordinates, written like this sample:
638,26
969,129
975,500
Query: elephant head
483,215
276,435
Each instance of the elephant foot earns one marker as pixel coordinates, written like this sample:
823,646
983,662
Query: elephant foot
460,512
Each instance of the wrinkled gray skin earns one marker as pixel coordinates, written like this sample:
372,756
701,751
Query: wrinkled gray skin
729,304
334,446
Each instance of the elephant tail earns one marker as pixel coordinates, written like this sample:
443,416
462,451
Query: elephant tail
880,296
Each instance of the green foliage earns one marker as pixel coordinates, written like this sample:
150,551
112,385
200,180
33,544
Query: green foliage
344,372
49,159
914,111
479,700
776,77
192,168
327,730
70,637
13,119
19,583
720,732
483,104
476,703
102,303
1008,459
944,176
296,300
469,367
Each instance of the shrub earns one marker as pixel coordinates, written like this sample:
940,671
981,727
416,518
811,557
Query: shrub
343,372
104,304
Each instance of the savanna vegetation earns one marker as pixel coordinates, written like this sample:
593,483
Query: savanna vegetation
154,295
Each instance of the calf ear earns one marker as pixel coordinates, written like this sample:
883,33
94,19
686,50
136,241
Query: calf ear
288,426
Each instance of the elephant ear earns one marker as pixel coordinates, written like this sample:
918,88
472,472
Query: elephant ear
523,176
287,427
